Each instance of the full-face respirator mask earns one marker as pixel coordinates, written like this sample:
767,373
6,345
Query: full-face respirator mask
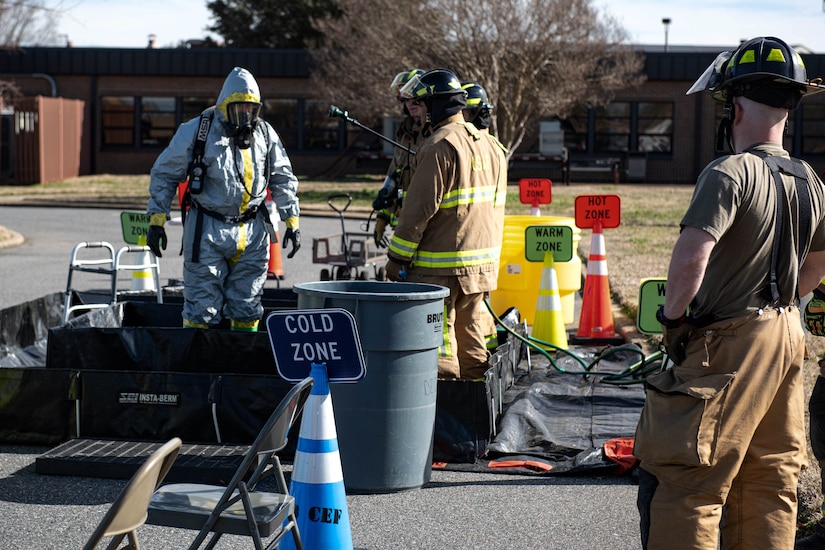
243,117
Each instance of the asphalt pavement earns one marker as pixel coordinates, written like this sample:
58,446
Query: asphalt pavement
456,510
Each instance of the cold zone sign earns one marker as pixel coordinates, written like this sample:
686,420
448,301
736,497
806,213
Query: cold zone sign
302,337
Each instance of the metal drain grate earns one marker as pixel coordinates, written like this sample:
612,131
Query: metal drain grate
119,459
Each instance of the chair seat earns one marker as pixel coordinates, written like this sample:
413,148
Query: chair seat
188,505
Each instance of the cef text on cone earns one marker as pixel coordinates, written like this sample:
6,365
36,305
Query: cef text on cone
596,320
317,482
548,323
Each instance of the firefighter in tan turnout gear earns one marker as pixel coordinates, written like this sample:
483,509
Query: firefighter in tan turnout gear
448,233
412,132
721,437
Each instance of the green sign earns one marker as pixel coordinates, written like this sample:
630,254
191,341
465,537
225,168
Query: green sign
557,239
651,296
135,227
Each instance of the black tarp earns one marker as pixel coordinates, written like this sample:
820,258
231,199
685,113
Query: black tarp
137,374
564,420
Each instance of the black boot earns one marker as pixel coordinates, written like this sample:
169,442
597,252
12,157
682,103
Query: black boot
813,542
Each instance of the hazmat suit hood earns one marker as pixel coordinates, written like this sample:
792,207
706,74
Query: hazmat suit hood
239,86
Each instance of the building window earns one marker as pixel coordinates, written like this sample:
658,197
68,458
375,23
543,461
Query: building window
619,127
157,121
576,130
192,107
612,127
282,114
655,127
321,130
813,129
118,120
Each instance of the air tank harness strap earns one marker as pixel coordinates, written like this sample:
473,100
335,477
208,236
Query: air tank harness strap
201,211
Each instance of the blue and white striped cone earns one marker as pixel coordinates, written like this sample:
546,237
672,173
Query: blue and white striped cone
317,482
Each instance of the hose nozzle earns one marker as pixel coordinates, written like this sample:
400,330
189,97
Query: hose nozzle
336,112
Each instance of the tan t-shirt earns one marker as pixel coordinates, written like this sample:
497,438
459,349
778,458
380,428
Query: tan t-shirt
735,202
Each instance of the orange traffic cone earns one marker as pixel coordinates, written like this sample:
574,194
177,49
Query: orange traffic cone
596,319
276,261
317,477
275,270
548,323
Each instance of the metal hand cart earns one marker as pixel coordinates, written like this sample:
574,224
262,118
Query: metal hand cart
349,253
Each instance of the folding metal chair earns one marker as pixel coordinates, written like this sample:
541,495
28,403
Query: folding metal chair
128,511
239,508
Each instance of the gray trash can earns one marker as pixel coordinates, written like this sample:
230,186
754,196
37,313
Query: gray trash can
385,422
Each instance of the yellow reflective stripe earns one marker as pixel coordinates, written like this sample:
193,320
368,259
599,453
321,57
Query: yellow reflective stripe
459,258
246,155
491,341
192,324
445,350
775,55
501,196
247,326
748,56
402,248
472,195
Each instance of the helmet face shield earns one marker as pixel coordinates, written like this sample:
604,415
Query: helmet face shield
712,76
401,79
243,113
413,89
243,116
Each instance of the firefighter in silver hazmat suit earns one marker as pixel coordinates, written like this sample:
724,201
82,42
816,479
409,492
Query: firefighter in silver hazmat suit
227,228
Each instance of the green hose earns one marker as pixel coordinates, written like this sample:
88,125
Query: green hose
637,371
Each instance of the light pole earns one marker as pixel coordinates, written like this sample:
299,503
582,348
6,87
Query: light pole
666,23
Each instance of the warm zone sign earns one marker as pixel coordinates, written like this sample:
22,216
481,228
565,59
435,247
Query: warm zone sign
555,239
135,227
651,296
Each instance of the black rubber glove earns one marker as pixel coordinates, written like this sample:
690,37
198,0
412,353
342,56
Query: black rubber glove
675,335
156,239
675,340
292,236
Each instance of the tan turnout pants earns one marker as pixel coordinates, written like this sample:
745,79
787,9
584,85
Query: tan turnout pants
726,430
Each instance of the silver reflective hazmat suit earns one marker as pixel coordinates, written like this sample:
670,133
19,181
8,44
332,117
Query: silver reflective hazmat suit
227,275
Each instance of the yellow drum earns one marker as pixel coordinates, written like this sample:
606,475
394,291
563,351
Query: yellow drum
519,279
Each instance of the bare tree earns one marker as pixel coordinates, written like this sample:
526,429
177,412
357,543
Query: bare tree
27,22
535,58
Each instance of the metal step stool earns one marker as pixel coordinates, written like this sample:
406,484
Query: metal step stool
109,265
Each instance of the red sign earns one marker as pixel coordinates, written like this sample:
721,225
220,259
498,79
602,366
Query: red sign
606,209
535,191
